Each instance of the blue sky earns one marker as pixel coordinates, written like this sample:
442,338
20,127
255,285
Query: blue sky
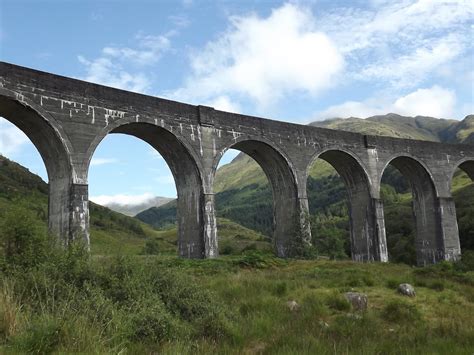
296,61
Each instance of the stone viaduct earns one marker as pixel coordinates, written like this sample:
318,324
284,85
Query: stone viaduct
66,119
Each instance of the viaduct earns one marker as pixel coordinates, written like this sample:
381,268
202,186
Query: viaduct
66,119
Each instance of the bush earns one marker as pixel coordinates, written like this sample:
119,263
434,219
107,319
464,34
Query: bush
150,322
41,337
24,242
227,249
151,247
401,312
467,261
280,288
338,302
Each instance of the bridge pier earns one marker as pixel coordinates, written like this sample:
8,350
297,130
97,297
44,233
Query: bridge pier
211,249
379,237
449,229
68,210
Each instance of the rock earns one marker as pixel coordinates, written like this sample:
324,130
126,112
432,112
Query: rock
406,290
358,300
292,305
323,324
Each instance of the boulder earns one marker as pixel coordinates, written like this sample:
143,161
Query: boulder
292,305
406,290
358,300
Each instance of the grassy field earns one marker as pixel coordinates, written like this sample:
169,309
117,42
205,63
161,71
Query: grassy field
236,304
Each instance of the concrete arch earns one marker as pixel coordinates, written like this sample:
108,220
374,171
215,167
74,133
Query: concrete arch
365,245
466,165
54,147
280,173
338,158
429,240
42,129
188,180
413,158
114,127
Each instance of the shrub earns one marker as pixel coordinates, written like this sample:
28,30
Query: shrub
23,240
151,247
150,322
401,312
338,302
280,288
42,337
467,261
227,249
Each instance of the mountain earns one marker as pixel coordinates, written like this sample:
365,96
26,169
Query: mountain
111,232
419,127
244,196
133,210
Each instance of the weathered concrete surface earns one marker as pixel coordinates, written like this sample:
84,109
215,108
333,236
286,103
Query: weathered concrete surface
66,119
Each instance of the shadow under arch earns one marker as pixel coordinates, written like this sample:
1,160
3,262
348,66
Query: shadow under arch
463,201
279,172
364,229
188,180
466,165
53,147
425,205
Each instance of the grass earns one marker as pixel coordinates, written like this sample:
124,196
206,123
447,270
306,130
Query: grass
231,306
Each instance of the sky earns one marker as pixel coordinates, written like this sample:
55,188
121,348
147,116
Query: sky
296,61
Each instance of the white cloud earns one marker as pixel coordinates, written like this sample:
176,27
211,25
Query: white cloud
264,59
103,161
224,103
122,199
410,69
11,138
112,67
401,41
435,102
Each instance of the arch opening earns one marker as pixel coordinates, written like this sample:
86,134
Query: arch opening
411,213
244,205
462,190
53,152
282,184
340,203
187,210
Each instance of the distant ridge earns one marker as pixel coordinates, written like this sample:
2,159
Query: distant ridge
419,127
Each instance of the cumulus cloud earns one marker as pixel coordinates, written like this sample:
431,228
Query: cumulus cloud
122,199
115,64
103,161
263,59
435,102
401,41
11,138
394,44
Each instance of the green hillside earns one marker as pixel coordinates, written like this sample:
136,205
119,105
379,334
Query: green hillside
243,194
419,127
113,232
110,231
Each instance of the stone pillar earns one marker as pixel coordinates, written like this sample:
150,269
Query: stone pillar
211,249
68,211
79,214
304,225
378,231
449,229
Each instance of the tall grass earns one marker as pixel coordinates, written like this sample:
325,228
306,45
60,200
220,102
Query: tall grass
64,301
